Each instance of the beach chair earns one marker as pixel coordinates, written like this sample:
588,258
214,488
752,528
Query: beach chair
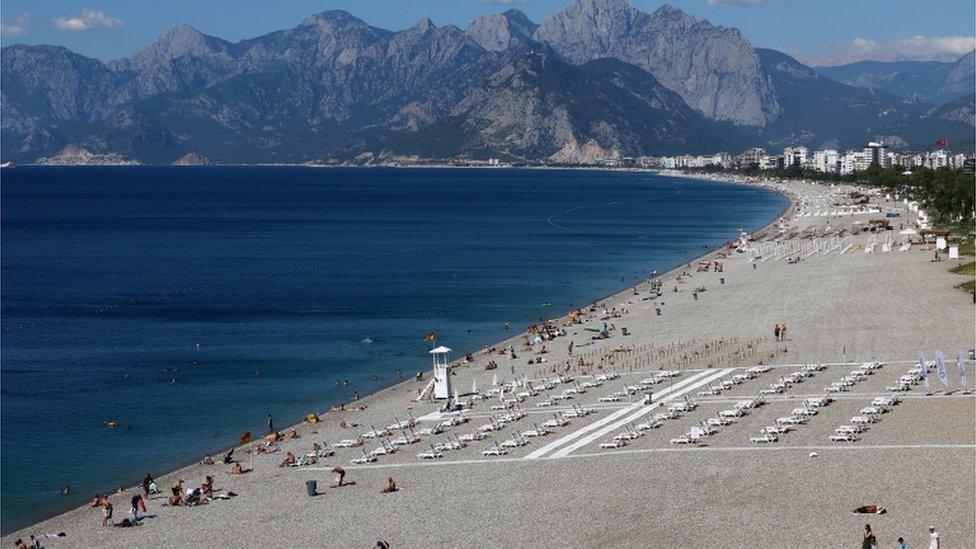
733,413
430,431
719,421
515,442
549,401
324,452
871,411
472,437
778,429
610,398
386,448
495,450
348,443
765,437
648,425
431,453
711,391
581,411
367,458
613,444
791,420
682,439
536,431
557,421
843,437
857,428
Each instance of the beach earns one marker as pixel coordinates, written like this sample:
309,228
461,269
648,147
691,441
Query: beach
842,308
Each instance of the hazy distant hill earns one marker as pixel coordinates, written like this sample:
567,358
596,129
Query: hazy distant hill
337,88
927,81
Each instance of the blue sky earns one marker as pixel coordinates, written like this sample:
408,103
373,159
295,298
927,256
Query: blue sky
816,31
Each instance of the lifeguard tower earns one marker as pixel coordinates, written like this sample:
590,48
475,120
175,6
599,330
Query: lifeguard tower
442,372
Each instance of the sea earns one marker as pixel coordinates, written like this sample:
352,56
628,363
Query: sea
151,315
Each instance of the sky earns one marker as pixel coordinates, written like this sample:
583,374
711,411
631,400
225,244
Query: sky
818,32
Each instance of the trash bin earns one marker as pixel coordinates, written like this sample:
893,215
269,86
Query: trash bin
311,487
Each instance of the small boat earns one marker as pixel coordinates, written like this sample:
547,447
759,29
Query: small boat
7,165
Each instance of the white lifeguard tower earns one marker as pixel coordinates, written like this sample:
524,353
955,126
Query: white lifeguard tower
442,372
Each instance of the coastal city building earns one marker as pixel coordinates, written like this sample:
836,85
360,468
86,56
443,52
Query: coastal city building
874,153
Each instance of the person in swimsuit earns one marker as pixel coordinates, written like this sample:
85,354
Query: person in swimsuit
107,512
869,510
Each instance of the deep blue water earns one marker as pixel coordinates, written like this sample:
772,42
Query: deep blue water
260,284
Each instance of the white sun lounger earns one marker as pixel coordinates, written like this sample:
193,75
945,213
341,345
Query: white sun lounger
348,443
430,431
367,458
610,398
536,431
495,450
471,437
766,437
615,443
683,439
431,453
557,421
845,437
792,420
871,411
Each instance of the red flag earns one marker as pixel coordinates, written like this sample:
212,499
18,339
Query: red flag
942,143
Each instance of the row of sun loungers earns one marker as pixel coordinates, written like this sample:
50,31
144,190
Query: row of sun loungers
866,416
851,379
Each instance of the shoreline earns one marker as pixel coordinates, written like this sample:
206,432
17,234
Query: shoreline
182,469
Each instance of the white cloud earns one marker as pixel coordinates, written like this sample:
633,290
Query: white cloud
914,48
17,27
89,19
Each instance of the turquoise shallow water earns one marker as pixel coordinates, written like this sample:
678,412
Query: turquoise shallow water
256,289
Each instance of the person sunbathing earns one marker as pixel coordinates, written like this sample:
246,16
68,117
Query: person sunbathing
390,486
176,499
869,510
291,434
207,460
238,469
289,460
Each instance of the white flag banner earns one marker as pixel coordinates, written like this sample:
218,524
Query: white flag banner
940,368
923,368
961,364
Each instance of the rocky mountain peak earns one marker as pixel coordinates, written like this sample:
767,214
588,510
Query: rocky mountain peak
502,31
714,69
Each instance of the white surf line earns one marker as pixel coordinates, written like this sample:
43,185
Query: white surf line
683,449
644,410
599,423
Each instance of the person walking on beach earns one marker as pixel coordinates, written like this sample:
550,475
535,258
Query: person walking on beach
270,424
869,541
902,544
776,332
934,542
782,333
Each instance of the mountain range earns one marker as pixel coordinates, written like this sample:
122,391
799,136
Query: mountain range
933,82
600,79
